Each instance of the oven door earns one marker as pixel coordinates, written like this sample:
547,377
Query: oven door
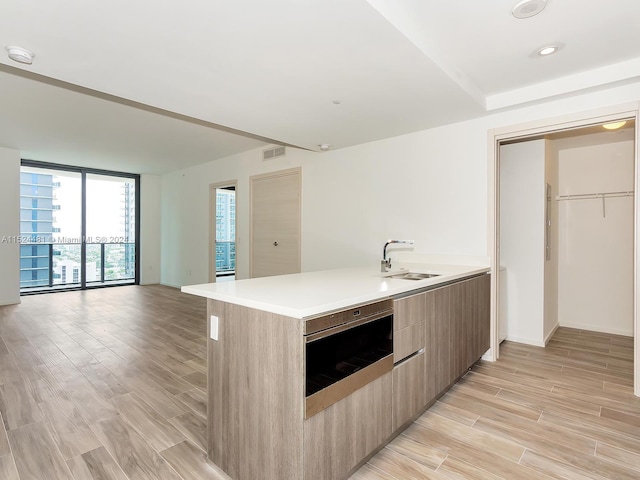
343,359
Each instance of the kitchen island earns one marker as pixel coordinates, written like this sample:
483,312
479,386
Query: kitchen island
260,424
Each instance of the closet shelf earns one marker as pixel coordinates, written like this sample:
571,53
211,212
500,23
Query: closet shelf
600,196
582,196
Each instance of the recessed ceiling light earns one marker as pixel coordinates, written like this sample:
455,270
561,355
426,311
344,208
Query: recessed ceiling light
614,125
548,50
324,147
528,8
20,55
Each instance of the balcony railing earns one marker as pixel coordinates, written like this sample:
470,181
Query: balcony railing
225,257
46,266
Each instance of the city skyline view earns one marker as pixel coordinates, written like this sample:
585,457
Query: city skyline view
51,224
225,230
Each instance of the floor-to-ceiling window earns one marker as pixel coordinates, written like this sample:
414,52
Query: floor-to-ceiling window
78,227
225,233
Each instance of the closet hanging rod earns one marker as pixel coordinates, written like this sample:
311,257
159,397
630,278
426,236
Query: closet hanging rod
595,195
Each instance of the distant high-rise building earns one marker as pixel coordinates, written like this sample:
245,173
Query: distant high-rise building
61,229
129,228
36,227
225,230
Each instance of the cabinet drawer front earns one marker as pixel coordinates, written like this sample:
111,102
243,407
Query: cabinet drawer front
408,311
408,340
409,394
341,436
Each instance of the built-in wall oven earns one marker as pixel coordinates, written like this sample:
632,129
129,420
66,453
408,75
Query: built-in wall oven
346,350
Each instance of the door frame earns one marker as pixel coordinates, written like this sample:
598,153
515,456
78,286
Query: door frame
277,173
541,127
212,224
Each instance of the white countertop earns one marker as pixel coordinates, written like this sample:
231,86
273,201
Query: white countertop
304,295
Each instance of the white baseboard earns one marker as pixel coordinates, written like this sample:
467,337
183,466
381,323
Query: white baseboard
548,337
488,356
526,341
10,301
599,328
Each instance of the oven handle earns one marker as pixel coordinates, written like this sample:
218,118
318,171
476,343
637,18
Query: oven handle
347,326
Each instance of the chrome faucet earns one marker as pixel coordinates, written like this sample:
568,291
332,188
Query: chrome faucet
385,263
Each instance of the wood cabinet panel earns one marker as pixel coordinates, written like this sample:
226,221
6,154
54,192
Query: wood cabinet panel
470,297
483,321
408,311
408,340
477,300
470,322
409,394
341,436
255,393
457,331
438,350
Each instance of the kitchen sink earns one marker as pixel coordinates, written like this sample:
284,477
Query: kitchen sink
413,275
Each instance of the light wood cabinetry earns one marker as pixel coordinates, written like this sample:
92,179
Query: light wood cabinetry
439,373
255,393
408,326
451,324
338,438
457,331
256,385
409,393
482,314
408,340
256,426
408,311
409,399
470,335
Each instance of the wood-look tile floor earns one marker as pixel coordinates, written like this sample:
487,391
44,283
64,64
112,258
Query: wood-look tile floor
565,412
110,384
104,384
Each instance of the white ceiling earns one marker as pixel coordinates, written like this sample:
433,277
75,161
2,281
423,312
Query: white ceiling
68,126
274,69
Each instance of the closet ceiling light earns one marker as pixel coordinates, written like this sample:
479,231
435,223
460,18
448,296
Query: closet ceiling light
614,125
528,8
548,50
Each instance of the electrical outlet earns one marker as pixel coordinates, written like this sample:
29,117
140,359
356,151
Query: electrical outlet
213,328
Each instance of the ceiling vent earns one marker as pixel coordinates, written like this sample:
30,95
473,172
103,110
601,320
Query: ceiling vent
274,152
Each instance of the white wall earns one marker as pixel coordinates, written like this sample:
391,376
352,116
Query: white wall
353,201
430,186
595,276
522,203
150,229
9,226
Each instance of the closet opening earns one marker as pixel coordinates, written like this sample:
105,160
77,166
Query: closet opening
564,238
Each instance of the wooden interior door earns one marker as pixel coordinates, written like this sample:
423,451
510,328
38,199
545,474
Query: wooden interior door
275,223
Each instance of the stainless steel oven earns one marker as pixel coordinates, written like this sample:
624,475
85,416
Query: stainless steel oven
346,350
